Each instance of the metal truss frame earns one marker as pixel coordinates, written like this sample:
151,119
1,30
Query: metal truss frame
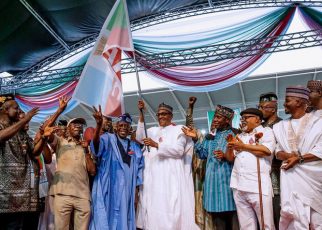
47,77
62,55
183,12
195,56
213,7
215,53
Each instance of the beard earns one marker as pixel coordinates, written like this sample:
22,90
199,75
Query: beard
243,126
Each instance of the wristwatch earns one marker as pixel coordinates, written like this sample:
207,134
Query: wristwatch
301,160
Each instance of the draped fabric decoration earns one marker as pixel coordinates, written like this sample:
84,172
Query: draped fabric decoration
237,26
312,17
221,74
46,100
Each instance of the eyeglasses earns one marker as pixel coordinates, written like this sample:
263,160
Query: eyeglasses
244,118
265,107
162,114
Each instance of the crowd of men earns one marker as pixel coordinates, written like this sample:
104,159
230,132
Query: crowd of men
267,174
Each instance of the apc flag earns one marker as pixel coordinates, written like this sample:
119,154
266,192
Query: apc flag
100,82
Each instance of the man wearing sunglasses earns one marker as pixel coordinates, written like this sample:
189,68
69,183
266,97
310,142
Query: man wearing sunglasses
252,152
167,196
268,106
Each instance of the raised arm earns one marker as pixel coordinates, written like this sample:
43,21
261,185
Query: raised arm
90,165
63,101
140,133
99,121
39,146
189,116
7,133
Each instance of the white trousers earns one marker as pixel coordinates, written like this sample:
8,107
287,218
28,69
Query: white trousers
287,222
248,210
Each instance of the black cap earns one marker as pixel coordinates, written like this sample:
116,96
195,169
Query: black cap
268,97
253,111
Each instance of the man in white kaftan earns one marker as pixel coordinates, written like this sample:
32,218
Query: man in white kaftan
167,195
299,141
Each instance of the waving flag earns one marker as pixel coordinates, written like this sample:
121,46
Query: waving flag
100,82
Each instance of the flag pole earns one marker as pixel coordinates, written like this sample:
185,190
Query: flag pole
136,71
140,96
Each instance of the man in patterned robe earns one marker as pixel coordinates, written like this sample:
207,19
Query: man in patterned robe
217,195
18,183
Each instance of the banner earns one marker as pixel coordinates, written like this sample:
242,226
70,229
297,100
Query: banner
100,82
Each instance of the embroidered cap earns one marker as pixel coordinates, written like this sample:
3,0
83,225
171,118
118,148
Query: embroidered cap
252,111
313,85
6,97
165,107
224,111
265,97
125,117
298,91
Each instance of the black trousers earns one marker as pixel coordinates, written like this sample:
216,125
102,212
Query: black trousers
276,210
19,221
225,220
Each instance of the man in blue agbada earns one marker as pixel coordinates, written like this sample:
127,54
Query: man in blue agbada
119,171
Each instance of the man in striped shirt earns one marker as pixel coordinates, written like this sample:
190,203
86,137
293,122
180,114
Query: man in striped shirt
217,195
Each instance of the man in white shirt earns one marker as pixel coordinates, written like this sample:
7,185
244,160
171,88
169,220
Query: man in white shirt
167,196
252,150
299,140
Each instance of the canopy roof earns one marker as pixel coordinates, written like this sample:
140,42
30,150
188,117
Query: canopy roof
32,30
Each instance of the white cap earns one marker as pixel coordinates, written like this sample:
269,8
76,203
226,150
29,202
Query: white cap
77,120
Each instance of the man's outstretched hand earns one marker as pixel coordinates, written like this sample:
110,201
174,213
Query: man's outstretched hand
98,116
